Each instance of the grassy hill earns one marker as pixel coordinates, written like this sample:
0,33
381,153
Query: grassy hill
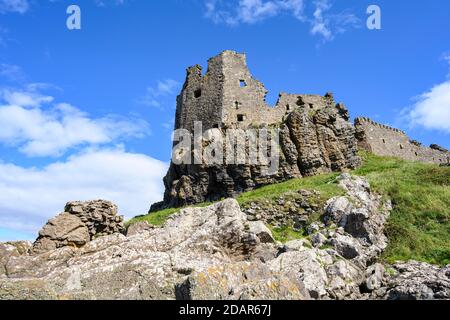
419,226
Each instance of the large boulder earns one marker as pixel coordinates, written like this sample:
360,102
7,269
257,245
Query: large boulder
99,216
12,249
80,223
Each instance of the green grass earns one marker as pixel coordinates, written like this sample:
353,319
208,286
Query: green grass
419,225
285,234
158,218
324,183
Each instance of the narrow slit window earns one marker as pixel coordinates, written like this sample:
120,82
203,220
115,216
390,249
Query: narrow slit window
288,107
236,104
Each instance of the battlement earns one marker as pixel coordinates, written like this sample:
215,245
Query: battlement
387,141
365,120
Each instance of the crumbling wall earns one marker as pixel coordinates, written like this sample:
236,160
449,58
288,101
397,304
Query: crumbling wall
201,97
387,141
228,96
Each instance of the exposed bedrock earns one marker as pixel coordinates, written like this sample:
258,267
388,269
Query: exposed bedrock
217,252
310,142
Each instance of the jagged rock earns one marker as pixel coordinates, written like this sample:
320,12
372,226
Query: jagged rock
305,265
242,281
80,223
375,276
138,228
347,246
216,252
362,215
296,245
318,239
261,231
149,265
418,281
337,209
99,216
64,230
12,249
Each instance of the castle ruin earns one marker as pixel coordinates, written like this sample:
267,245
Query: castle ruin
383,140
228,96
316,135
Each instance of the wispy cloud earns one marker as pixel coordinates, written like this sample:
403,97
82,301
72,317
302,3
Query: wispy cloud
15,6
432,108
250,11
162,89
323,21
104,3
11,72
39,127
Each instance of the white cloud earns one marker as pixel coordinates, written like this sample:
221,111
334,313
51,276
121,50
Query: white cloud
104,3
320,24
162,89
16,6
29,121
11,72
250,11
30,196
322,21
432,108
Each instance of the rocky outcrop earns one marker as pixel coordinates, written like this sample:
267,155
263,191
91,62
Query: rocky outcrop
80,223
154,264
293,209
312,140
217,252
418,281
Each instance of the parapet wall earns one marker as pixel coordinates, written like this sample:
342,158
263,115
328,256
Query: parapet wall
387,141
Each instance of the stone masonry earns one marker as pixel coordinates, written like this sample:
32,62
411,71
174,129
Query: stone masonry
387,141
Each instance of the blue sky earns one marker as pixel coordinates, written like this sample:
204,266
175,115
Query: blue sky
88,113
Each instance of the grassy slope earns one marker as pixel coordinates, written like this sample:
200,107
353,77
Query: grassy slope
419,227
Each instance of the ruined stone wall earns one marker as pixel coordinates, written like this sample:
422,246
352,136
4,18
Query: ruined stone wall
201,97
386,141
228,96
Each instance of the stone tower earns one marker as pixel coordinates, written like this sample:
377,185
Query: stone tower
228,96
